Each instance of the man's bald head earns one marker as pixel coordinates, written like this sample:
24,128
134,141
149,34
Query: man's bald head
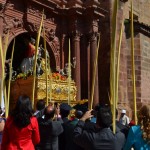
49,112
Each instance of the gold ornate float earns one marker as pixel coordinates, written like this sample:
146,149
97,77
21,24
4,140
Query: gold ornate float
57,93
59,90
60,87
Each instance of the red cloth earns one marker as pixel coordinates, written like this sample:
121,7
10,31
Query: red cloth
132,123
31,50
20,139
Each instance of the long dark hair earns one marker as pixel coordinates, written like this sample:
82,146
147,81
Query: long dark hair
22,111
144,121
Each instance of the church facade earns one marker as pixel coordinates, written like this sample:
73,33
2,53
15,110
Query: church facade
86,23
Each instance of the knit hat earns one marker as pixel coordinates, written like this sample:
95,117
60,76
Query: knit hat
65,106
123,111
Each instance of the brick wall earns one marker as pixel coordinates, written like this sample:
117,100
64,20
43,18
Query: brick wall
145,69
123,73
142,58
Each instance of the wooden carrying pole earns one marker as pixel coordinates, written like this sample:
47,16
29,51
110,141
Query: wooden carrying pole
35,61
4,85
50,83
2,72
118,61
10,77
113,64
46,73
6,45
133,65
69,72
3,94
94,75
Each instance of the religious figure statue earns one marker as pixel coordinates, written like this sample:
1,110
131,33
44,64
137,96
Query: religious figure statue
51,34
31,48
41,62
27,63
65,71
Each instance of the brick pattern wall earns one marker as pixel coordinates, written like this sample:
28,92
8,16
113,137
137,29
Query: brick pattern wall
142,59
137,62
125,75
145,69
123,96
144,11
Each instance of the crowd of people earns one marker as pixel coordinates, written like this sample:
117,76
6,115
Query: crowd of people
53,128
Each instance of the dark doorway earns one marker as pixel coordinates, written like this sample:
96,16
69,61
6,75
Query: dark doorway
21,47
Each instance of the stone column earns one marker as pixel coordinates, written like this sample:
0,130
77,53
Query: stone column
93,48
62,52
76,70
88,71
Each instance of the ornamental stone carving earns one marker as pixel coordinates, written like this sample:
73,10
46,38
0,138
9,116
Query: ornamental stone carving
2,6
56,43
10,24
9,4
51,34
93,36
34,11
32,27
53,38
50,20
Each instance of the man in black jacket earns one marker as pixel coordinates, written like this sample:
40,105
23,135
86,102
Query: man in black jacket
64,112
50,128
69,128
103,137
123,128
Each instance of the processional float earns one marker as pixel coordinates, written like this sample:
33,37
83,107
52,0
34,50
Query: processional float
53,87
